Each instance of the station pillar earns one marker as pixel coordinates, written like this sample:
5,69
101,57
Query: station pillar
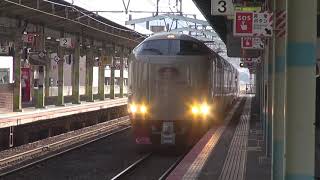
89,73
75,73
278,131
270,56
41,79
61,53
300,91
121,71
101,83
112,71
112,74
47,75
17,72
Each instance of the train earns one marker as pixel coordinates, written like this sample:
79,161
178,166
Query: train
177,85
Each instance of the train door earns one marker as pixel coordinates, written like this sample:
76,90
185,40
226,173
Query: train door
25,84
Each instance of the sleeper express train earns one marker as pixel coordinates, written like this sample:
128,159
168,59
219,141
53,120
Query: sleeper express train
177,85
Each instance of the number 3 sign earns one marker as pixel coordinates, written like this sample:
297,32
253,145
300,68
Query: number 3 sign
66,42
222,7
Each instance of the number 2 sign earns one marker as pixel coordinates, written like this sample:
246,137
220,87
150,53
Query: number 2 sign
222,7
66,42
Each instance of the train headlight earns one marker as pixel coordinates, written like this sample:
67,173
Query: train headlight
138,109
143,109
195,110
200,109
204,109
133,108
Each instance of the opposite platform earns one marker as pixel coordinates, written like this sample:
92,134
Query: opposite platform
30,115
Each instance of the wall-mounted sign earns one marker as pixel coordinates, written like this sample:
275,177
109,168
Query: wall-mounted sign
262,24
253,24
251,60
66,42
252,43
243,23
222,7
28,38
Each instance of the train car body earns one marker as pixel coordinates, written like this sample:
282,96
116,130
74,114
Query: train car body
176,86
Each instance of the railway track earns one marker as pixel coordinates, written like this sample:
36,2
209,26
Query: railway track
31,157
140,163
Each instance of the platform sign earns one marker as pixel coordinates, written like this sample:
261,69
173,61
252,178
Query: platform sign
243,24
248,8
4,50
66,42
251,60
28,38
252,43
222,7
253,24
262,24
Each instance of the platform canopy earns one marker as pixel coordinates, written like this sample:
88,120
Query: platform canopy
61,15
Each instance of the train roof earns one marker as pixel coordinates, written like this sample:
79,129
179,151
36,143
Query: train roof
170,35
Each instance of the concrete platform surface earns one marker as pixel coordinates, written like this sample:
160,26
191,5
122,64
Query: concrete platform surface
30,115
223,153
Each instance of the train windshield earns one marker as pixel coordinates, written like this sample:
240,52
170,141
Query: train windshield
171,47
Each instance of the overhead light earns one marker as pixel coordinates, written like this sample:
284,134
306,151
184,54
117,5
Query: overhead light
25,32
48,38
57,40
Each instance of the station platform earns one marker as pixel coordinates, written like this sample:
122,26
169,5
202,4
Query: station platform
232,151
31,115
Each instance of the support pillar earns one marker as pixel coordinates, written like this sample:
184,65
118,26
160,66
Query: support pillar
112,73
47,75
267,92
75,73
39,90
102,75
121,71
278,152
61,53
271,71
89,73
17,73
300,91
112,69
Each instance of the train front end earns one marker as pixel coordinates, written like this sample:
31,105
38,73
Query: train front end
168,87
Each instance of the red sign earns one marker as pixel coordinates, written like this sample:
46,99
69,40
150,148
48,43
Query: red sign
243,24
246,43
28,38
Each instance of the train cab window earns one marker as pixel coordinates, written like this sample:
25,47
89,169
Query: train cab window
182,47
171,47
153,47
